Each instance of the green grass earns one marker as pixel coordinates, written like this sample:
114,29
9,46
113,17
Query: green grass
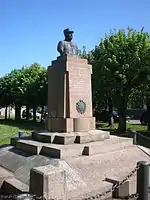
10,128
137,127
143,137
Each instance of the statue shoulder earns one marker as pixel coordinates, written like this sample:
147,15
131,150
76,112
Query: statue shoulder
75,45
61,42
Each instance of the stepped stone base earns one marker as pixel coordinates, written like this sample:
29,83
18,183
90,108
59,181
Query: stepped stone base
70,138
72,150
113,159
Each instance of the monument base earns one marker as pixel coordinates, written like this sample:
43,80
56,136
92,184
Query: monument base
68,125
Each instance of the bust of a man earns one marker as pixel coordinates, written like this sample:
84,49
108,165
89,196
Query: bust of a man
67,47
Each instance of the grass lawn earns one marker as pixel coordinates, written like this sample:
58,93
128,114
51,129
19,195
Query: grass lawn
10,128
143,137
137,127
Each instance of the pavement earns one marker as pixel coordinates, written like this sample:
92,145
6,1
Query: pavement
134,122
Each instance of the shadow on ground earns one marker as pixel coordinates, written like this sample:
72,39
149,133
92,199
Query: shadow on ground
23,124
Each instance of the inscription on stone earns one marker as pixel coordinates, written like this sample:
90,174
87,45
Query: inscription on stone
79,84
80,89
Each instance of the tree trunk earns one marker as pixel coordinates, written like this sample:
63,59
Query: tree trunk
6,108
17,112
122,114
110,113
42,112
27,112
148,113
34,113
9,112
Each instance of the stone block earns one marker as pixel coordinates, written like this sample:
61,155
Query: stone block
13,140
91,136
60,124
43,137
73,137
53,152
34,132
64,138
14,186
122,191
105,147
62,152
56,138
84,124
51,182
29,146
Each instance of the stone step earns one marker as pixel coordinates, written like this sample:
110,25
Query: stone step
56,138
14,139
14,186
70,138
52,150
73,150
97,148
29,146
4,174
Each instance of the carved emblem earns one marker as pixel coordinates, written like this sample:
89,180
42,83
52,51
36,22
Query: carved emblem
81,107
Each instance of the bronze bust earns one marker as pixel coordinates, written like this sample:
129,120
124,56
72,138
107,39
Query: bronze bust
67,47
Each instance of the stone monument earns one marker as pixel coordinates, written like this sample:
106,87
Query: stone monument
84,155
69,90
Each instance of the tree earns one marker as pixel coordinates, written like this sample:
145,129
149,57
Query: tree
36,93
142,94
26,86
120,63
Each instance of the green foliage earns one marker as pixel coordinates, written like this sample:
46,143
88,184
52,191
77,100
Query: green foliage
120,63
24,86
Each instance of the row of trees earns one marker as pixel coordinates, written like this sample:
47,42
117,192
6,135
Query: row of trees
121,65
26,86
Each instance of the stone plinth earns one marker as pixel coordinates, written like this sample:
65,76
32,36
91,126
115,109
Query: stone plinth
48,181
69,95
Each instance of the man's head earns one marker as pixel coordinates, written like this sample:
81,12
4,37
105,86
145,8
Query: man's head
68,33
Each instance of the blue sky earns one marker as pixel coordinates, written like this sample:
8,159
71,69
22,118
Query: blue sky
31,29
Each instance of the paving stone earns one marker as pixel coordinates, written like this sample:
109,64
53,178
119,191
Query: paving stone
23,173
12,159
